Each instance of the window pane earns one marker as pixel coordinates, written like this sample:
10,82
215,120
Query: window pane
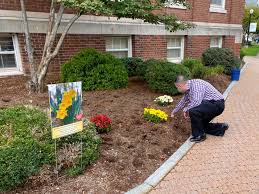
116,43
173,53
216,2
6,44
124,43
108,43
7,61
174,42
120,54
214,42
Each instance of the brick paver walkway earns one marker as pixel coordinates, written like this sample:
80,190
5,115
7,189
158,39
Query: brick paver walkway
228,164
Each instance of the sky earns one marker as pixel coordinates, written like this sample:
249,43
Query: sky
251,2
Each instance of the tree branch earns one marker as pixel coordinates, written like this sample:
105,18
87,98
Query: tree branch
51,38
61,39
29,47
44,65
50,27
55,28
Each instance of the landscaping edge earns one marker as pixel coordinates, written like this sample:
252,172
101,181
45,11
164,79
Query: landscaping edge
171,162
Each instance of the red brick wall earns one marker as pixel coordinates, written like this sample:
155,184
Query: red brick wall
71,45
237,11
149,46
229,42
199,11
35,5
196,45
145,47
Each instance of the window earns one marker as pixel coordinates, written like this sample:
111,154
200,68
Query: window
175,49
171,4
217,2
217,6
119,46
215,42
9,55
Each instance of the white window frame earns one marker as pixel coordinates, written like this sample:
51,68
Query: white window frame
174,5
177,59
220,42
218,8
13,70
129,45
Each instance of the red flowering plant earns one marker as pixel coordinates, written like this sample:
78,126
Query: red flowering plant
102,123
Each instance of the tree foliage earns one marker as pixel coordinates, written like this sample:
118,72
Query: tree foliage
151,11
135,9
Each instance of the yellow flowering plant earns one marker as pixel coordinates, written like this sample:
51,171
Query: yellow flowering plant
155,115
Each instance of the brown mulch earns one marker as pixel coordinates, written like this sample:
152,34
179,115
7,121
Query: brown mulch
131,152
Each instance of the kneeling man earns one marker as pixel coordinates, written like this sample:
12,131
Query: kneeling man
201,103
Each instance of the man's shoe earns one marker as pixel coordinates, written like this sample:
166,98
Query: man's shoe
199,138
225,126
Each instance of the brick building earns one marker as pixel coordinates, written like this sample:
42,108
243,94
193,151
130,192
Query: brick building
218,24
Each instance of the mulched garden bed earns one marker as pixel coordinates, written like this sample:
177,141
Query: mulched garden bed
131,152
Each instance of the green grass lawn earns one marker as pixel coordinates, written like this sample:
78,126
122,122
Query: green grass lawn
251,50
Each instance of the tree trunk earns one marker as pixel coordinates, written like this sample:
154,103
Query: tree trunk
36,84
32,84
43,67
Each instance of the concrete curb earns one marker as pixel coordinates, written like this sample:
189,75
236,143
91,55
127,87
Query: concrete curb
169,164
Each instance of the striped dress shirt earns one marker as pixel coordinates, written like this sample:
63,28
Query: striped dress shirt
198,90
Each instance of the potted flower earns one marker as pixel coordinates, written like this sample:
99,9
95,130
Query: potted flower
163,100
154,115
102,123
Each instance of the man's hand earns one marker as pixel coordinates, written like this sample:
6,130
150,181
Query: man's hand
172,114
186,115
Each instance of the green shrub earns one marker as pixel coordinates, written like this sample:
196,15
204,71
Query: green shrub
221,56
18,160
142,69
210,71
242,54
26,144
133,65
106,76
96,70
90,149
196,67
161,76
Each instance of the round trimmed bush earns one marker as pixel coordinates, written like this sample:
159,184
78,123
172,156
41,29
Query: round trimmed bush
210,71
106,76
133,64
96,70
196,67
161,76
143,68
221,56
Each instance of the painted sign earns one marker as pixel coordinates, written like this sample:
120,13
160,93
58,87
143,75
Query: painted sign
65,108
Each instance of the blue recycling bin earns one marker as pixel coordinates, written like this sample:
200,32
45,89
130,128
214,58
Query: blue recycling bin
235,74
